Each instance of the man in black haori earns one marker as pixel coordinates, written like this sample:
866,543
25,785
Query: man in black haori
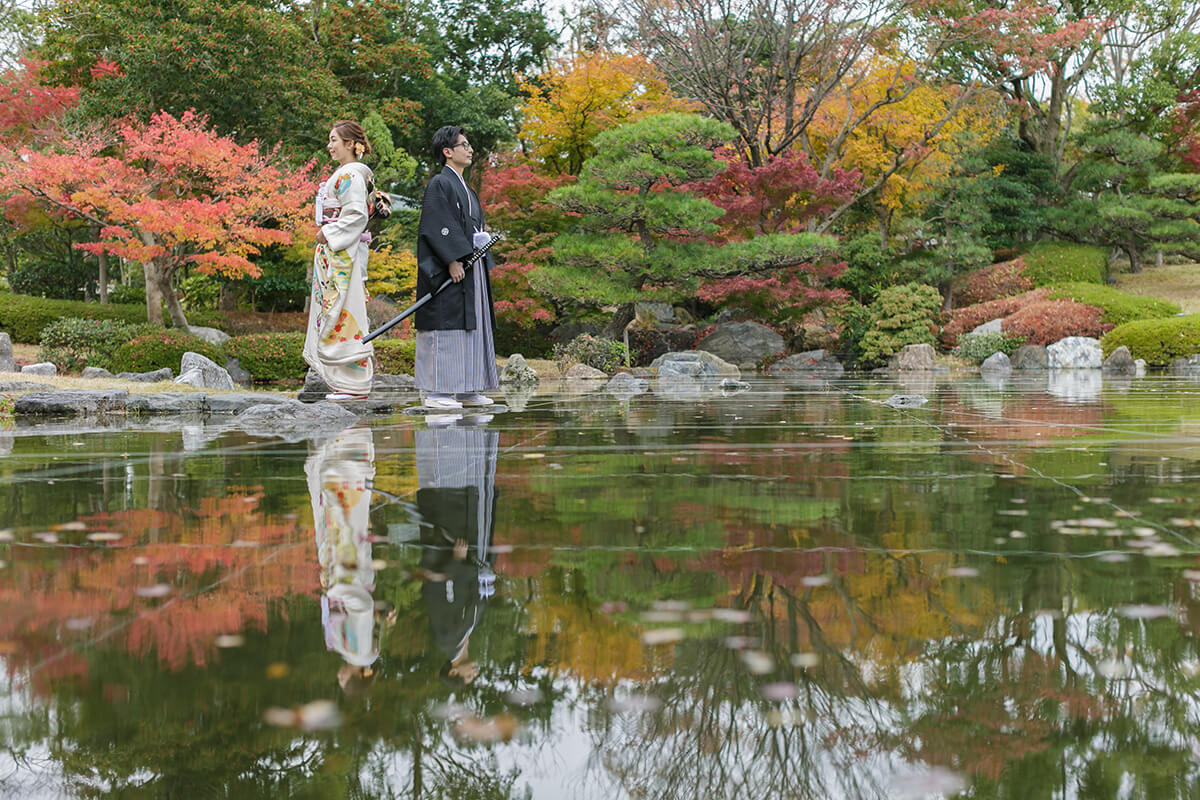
456,355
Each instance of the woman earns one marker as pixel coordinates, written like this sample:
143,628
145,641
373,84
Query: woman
337,316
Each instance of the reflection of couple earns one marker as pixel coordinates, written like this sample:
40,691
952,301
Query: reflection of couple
456,473
456,469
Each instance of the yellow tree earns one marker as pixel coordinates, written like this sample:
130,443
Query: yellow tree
584,95
907,147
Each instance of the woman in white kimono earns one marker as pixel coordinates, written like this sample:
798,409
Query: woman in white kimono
337,316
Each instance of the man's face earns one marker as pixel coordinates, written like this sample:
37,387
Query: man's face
460,155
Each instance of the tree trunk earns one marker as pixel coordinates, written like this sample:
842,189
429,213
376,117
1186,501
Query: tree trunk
174,307
616,328
1135,259
103,283
154,298
227,300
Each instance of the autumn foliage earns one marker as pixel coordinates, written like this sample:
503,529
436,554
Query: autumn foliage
27,106
170,194
992,283
1032,316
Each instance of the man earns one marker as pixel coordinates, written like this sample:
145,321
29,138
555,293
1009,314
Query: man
456,356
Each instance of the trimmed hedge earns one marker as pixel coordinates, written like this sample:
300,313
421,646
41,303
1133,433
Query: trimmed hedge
396,356
1119,307
24,317
1055,263
1158,341
162,348
269,356
73,343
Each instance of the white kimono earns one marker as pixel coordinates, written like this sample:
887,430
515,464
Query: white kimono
337,316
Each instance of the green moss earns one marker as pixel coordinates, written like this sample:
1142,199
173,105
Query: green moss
1158,341
1119,307
1056,263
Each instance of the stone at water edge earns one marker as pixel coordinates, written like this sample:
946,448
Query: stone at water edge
916,358
584,372
7,362
157,375
906,401
624,385
1030,357
1120,362
46,368
202,372
1075,352
744,344
96,373
694,363
996,364
517,372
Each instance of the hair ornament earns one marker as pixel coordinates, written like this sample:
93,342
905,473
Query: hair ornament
358,149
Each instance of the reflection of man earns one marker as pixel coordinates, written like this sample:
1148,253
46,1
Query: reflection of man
456,474
339,484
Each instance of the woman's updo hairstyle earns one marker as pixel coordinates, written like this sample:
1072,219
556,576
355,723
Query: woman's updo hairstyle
353,134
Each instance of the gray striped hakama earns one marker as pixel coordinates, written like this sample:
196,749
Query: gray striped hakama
453,458
454,362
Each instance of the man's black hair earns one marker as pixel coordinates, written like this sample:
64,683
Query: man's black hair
446,136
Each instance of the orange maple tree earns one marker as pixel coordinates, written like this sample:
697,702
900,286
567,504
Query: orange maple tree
170,194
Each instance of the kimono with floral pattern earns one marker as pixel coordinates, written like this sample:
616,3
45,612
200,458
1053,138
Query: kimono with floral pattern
337,317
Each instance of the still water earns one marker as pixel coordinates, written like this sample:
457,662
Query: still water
796,591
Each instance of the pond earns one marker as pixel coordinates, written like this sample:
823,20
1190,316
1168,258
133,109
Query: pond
795,591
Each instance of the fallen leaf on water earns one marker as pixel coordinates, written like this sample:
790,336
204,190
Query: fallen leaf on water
277,670
1192,575
662,636
1113,668
155,590
613,607
141,561
1142,611
740,642
1114,558
79,623
319,715
662,616
230,640
962,572
8,647
47,537
758,662
815,580
104,536
6,535
780,691
71,526
525,697
938,781
534,455
734,615
500,728
634,704
805,660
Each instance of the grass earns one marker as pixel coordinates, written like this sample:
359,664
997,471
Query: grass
1179,283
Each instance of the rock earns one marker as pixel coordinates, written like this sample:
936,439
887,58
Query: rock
241,376
210,335
729,314
22,386
72,401
683,316
7,364
584,372
1140,365
201,372
916,357
694,363
42,368
168,403
994,326
157,375
96,372
647,344
812,337
1075,352
393,384
746,344
660,312
293,417
1030,356
239,401
517,372
1120,362
729,387
812,363
1186,367
996,365
906,401
315,388
624,386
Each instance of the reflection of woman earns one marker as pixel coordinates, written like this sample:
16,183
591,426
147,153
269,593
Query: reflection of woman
339,484
456,474
337,317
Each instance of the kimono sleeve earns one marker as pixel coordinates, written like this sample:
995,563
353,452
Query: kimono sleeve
441,225
351,190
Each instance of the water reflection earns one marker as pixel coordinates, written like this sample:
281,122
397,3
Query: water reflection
456,476
339,474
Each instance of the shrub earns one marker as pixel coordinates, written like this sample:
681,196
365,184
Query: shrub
73,343
991,283
1054,263
200,292
979,346
1158,341
127,295
901,315
162,348
1118,307
269,356
1046,321
396,356
603,354
24,317
964,320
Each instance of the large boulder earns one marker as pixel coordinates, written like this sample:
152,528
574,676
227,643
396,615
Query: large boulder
210,335
660,312
624,386
647,344
7,363
1120,362
1075,352
996,365
1030,357
517,372
916,358
167,403
582,372
294,420
991,326
96,373
46,368
71,401
695,364
203,373
809,364
237,402
745,344
1186,367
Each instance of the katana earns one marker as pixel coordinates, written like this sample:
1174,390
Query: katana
470,261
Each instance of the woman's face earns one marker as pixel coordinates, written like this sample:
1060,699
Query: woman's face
339,149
